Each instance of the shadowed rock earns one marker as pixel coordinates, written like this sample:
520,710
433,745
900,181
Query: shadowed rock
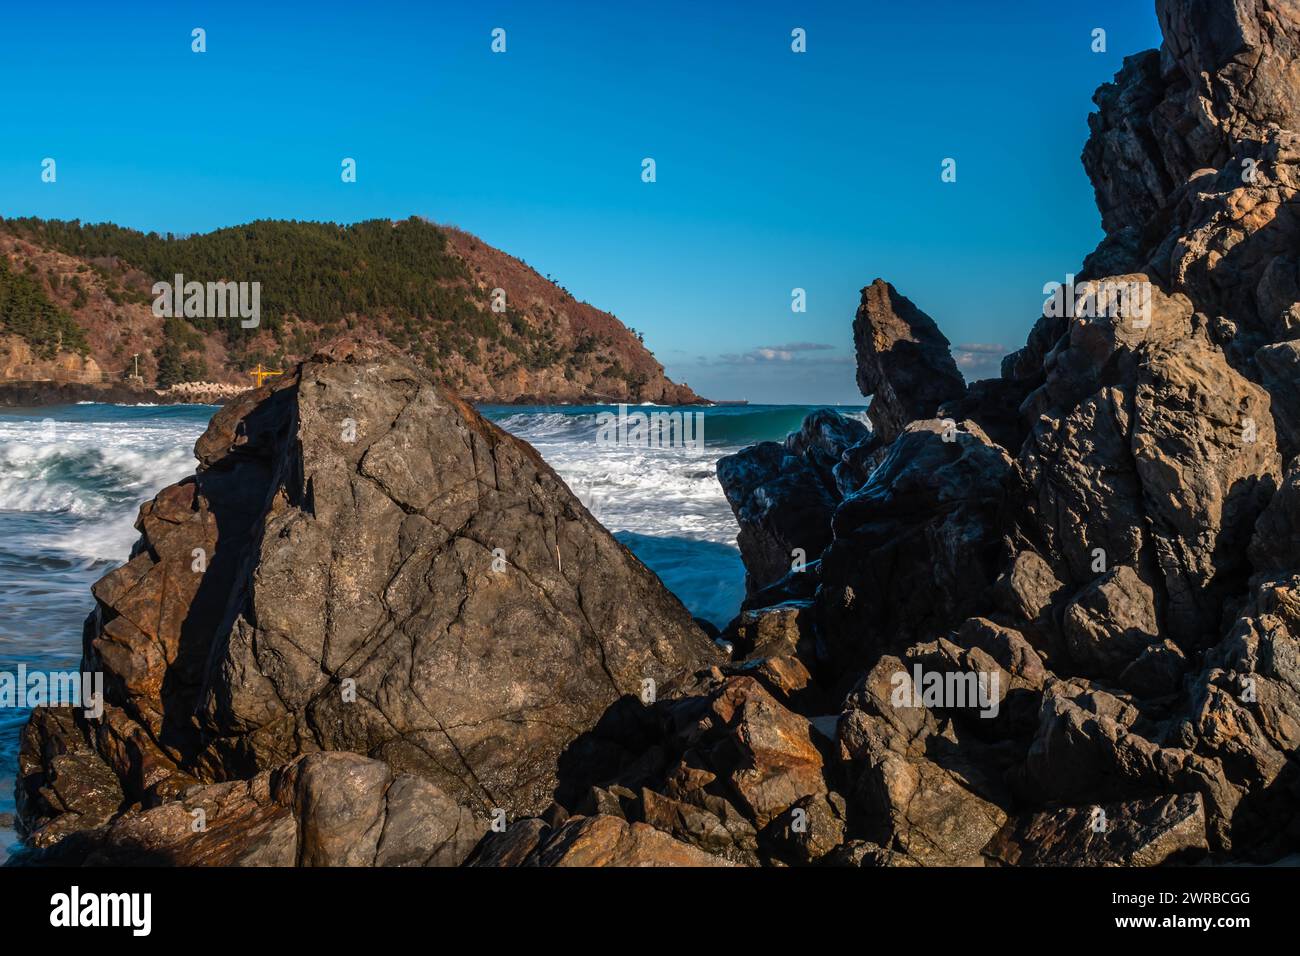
903,361
591,841
783,508
325,809
783,494
914,548
1137,833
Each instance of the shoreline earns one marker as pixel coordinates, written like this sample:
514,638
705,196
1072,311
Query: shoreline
14,395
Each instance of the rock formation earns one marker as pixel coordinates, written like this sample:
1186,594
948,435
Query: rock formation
784,494
1055,614
361,564
903,361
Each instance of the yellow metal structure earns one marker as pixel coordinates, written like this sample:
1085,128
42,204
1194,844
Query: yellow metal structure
261,374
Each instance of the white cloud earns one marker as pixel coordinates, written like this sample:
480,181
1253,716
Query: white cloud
788,353
979,359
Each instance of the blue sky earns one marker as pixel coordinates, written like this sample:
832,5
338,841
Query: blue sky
775,170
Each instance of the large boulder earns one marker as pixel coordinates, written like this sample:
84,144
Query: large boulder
364,564
1151,451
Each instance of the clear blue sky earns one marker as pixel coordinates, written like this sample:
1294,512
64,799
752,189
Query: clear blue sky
776,170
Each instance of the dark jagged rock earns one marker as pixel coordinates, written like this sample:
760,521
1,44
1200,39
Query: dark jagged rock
903,361
1242,717
1111,623
774,630
1163,462
811,828
783,495
1194,157
1279,372
64,785
1275,545
1027,591
994,405
800,584
822,440
324,809
591,841
783,507
921,791
914,550
720,767
1137,833
864,853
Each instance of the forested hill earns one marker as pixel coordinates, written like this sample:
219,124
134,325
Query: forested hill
76,301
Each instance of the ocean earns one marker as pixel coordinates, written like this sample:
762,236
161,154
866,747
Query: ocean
72,479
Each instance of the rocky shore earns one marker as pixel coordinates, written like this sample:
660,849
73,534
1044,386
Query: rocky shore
1048,619
43,394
